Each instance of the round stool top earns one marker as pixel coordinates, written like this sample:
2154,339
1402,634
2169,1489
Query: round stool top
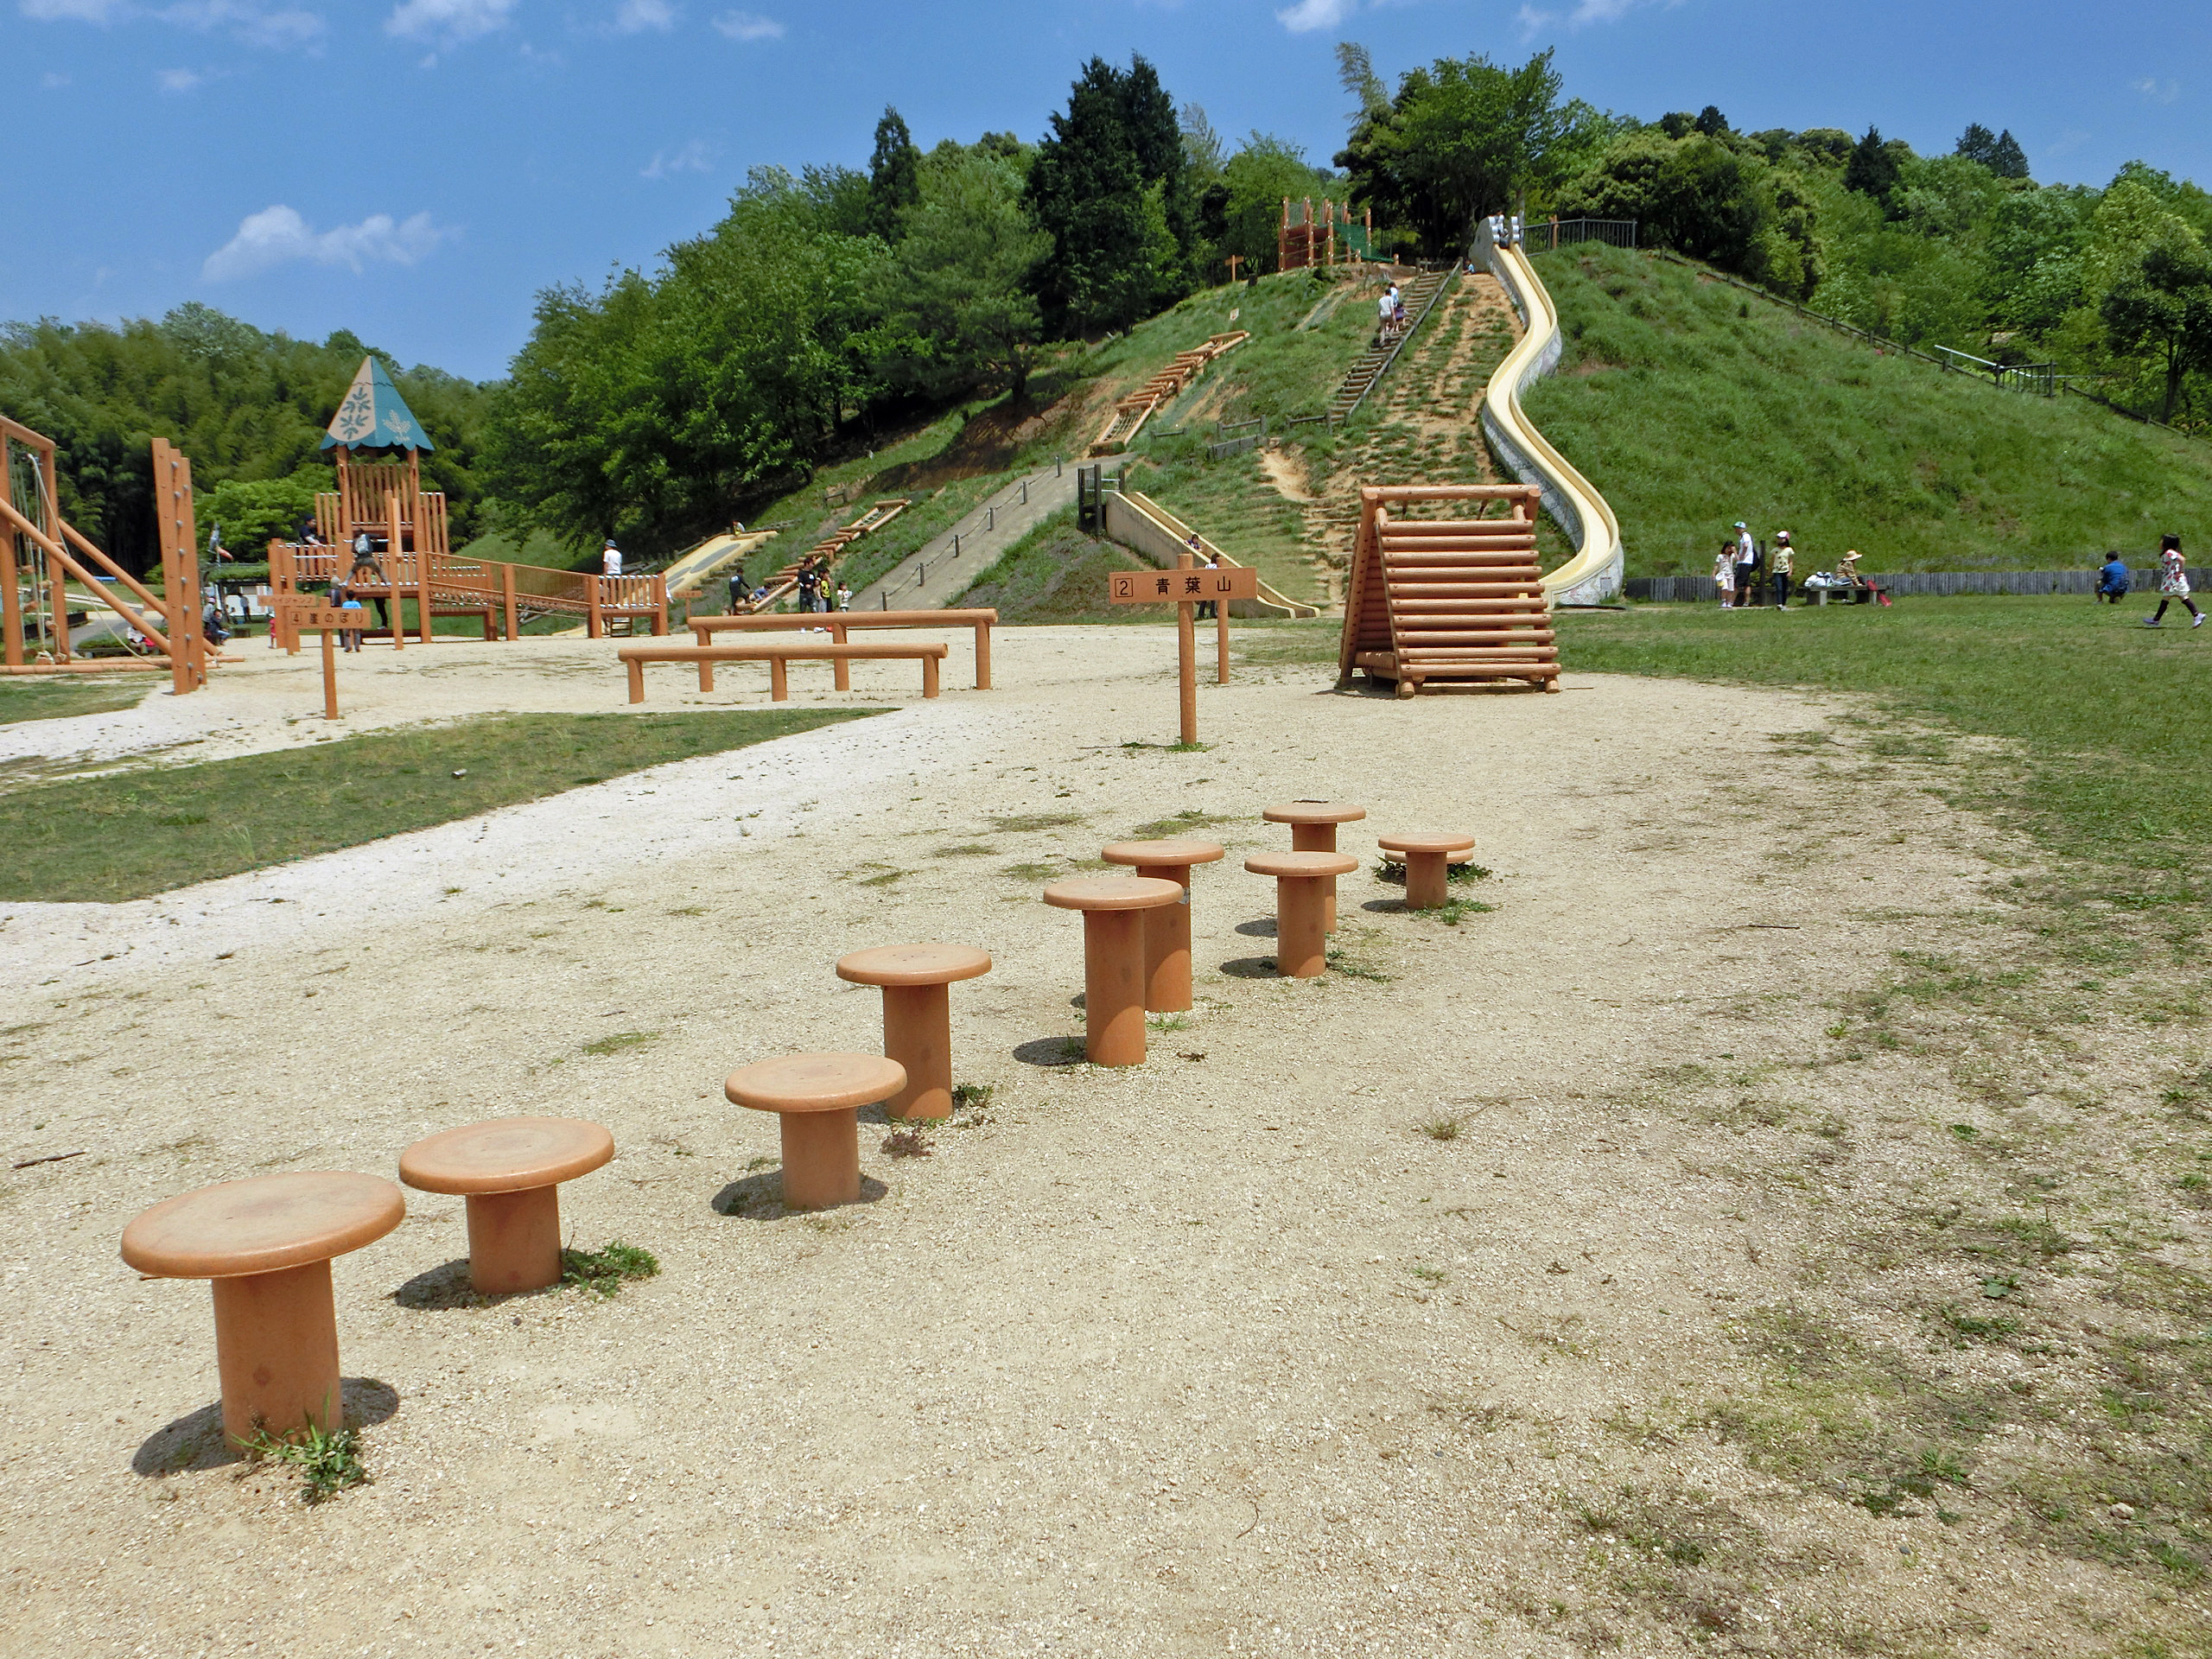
509,1155
1160,855
815,1083
913,964
1312,813
262,1225
1427,841
1113,892
1302,865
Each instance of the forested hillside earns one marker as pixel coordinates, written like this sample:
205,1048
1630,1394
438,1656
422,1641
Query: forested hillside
248,408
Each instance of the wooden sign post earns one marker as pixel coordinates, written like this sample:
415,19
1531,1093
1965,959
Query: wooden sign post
1186,587
304,615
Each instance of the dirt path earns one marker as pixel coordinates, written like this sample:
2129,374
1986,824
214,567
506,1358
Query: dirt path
1234,1352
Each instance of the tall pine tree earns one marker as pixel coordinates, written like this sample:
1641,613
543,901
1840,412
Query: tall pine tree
894,175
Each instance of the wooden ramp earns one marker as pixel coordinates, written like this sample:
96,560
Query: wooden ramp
1434,599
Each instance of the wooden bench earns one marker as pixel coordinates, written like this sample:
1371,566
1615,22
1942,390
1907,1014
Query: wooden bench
838,622
778,656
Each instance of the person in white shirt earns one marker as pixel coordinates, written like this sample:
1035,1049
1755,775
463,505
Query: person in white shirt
610,559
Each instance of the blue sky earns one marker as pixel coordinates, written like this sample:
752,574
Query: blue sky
416,170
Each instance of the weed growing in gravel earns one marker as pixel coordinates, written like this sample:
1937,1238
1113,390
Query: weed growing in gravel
1452,911
1443,1128
965,850
1428,1276
603,1271
972,1096
620,1040
1392,872
908,1143
1025,823
1352,967
1030,872
1176,824
1168,1022
328,1462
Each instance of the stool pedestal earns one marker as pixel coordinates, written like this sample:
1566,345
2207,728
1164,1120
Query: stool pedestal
917,1015
1313,829
1427,857
822,1159
1113,958
276,1352
510,1172
817,1097
514,1240
1301,914
1167,929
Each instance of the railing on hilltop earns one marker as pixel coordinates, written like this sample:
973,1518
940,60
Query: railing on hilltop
1565,232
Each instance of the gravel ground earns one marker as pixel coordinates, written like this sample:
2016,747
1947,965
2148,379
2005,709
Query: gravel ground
1222,1354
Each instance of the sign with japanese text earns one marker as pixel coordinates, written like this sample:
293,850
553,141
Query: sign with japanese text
1182,586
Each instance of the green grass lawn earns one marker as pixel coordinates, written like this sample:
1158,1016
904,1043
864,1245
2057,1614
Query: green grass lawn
1692,404
1056,574
135,834
1232,503
2105,715
25,698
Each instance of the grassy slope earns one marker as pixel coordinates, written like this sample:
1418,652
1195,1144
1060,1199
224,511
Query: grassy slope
133,834
1056,574
1691,404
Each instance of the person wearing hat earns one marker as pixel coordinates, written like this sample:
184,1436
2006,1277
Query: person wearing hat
610,559
1747,564
1778,565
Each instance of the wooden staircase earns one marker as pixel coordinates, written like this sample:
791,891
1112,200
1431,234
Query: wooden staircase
1419,296
1131,412
1447,599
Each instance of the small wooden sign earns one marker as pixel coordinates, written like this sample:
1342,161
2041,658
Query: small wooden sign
311,619
1183,586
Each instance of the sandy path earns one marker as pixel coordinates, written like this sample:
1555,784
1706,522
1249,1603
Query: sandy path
1219,1354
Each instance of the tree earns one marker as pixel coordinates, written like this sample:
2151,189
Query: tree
1106,184
2163,310
1258,178
2000,152
1693,195
1711,122
893,175
1873,169
956,299
1203,151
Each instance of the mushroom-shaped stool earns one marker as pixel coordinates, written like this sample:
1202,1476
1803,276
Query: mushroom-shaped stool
1428,856
917,1015
1313,829
1113,909
267,1244
817,1097
510,1170
1302,884
1167,930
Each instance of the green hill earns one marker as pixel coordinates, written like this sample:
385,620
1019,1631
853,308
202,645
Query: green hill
1691,404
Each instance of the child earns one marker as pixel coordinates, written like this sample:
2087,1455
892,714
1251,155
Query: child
1724,573
2112,578
2173,583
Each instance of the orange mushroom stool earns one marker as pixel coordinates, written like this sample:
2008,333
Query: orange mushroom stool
1313,829
266,1243
1167,930
1302,894
1428,857
917,1015
818,1098
1113,909
510,1170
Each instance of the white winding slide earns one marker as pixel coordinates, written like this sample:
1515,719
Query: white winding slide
1592,576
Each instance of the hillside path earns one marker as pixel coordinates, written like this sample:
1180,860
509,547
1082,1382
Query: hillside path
933,577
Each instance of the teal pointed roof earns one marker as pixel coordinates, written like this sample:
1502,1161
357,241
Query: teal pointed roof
373,415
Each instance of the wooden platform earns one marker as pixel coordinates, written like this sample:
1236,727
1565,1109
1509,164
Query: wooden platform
1442,600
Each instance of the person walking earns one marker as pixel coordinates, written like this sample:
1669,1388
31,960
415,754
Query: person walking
1747,563
1724,573
2173,584
2112,579
1779,566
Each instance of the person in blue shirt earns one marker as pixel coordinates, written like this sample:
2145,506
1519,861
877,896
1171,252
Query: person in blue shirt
2112,579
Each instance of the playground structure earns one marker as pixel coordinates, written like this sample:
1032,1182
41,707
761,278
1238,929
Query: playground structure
378,446
41,554
1458,599
829,550
1304,242
1130,413
689,571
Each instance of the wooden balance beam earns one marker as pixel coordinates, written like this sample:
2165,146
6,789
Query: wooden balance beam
703,627
778,657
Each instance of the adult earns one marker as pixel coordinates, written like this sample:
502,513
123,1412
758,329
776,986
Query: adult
736,589
1747,563
2112,578
1724,573
1386,309
2173,584
610,559
1779,564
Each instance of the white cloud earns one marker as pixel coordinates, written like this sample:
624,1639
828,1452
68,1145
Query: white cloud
667,163
178,80
53,80
2158,92
75,11
636,16
1586,13
1310,14
448,21
279,236
749,26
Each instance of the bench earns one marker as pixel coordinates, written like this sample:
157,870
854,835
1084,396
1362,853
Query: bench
838,622
778,656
